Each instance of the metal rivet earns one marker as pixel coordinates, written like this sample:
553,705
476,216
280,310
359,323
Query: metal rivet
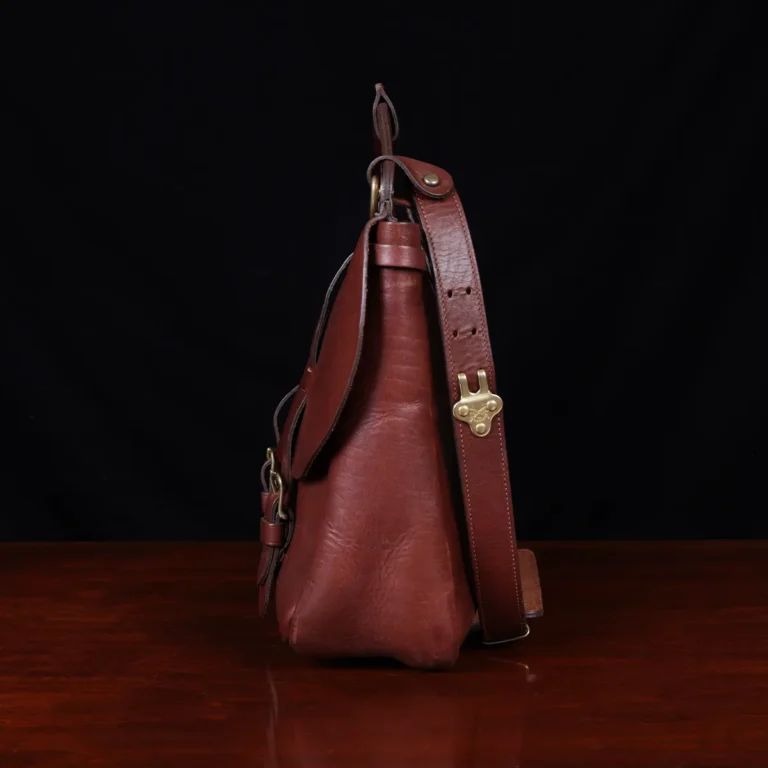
491,405
431,179
463,410
481,428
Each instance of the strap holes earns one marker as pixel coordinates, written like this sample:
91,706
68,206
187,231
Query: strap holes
469,290
455,334
450,294
474,331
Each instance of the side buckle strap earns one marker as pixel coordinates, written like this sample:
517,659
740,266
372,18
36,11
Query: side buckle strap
275,531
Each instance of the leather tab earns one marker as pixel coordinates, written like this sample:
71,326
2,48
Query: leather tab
398,233
400,256
268,501
418,171
429,180
271,534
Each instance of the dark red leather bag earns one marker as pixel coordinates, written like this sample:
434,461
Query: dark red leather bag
387,525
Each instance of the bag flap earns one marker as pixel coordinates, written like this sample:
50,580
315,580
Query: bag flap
330,377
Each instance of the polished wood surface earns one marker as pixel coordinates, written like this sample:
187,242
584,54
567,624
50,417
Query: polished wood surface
148,655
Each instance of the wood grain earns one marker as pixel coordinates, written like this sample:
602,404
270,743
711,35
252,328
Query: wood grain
148,655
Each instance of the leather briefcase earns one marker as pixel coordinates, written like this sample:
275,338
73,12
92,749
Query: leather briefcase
387,527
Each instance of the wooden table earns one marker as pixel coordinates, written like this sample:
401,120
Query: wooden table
146,655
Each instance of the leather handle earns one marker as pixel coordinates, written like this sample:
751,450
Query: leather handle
482,459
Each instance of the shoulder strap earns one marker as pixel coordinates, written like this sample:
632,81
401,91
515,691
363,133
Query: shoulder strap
480,439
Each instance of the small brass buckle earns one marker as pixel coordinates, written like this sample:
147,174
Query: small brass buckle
276,484
477,408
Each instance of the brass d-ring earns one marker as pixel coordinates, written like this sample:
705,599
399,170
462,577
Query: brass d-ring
276,484
374,195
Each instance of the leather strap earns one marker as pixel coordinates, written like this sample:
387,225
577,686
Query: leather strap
383,116
482,460
272,537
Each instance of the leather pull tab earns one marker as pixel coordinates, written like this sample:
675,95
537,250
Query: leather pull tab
381,97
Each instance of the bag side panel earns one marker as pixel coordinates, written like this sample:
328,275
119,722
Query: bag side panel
375,567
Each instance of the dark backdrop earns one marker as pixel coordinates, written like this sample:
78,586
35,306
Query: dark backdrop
182,182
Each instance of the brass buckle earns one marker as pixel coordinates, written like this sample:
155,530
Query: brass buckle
477,408
276,484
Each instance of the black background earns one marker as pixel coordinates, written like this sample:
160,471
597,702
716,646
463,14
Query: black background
183,180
